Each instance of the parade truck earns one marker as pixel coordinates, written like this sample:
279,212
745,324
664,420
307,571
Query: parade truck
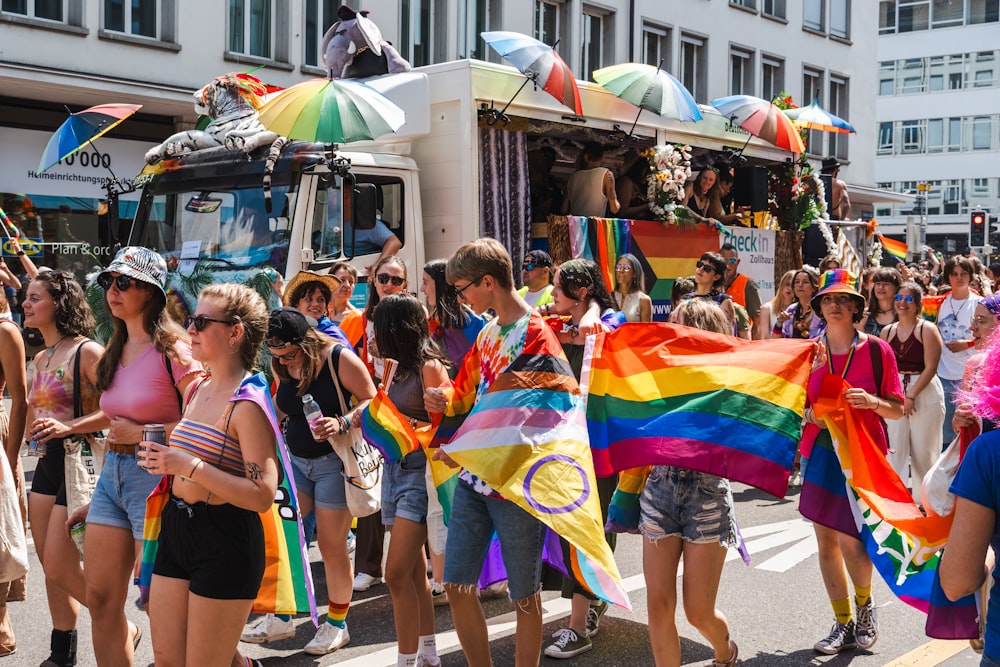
462,166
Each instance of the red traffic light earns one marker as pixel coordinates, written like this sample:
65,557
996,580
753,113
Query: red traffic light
978,218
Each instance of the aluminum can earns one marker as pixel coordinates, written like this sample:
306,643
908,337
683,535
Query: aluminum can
154,433
76,532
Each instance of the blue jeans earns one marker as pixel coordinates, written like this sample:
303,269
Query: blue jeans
951,388
120,495
989,662
474,519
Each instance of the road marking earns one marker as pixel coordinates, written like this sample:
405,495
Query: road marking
932,653
796,532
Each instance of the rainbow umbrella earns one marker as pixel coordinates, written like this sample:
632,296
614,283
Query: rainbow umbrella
540,63
815,117
81,128
649,88
335,111
761,119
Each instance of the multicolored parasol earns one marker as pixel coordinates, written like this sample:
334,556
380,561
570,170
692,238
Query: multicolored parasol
335,111
815,117
649,88
540,63
81,128
761,119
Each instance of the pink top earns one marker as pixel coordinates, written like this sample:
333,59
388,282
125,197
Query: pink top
144,392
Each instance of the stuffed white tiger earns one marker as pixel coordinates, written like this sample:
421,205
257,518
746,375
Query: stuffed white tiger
231,101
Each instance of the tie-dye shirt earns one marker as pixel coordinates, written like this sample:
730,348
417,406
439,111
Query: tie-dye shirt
499,345
52,391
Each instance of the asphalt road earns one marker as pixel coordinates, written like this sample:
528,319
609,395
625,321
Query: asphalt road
776,607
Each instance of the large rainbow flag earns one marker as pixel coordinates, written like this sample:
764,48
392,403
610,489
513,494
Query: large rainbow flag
903,544
287,586
526,437
664,394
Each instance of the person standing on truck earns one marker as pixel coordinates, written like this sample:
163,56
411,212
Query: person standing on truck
739,286
591,190
536,274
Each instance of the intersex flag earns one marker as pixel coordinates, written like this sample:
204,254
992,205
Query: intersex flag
903,544
287,586
665,394
526,437
895,248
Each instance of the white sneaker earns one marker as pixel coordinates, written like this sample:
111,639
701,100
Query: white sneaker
328,639
438,594
425,661
352,542
363,581
496,590
269,628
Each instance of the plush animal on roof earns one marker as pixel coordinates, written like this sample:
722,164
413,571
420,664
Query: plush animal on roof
353,48
231,101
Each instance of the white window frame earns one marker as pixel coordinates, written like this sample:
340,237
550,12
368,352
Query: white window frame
839,104
245,29
920,15
940,7
30,12
410,27
313,53
557,9
745,4
886,131
605,45
662,36
913,136
697,46
741,70
127,28
887,17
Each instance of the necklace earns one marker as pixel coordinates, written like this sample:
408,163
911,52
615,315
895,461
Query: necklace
850,355
951,304
49,351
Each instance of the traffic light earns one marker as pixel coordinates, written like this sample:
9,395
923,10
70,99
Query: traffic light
977,229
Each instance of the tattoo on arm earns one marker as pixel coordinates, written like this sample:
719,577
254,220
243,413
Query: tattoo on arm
254,471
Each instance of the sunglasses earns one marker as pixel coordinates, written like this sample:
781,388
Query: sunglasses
460,295
732,260
106,280
288,356
705,266
199,322
529,267
623,267
903,297
385,279
980,320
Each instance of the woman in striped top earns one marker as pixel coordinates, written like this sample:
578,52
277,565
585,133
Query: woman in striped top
223,459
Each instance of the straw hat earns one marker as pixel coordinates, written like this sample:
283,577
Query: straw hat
332,283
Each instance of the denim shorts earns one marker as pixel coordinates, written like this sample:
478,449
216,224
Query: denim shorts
695,506
404,490
987,661
474,518
322,479
120,496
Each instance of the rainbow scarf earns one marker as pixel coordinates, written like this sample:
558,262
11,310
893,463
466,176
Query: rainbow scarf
664,394
895,248
526,437
287,586
903,544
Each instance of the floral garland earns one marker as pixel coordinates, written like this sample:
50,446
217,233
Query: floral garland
670,166
797,196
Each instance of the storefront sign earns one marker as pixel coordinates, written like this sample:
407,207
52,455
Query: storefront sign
756,249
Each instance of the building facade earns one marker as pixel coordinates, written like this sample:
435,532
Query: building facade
64,55
938,98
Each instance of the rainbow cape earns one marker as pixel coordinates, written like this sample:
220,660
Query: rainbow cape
287,586
903,544
664,394
895,248
526,437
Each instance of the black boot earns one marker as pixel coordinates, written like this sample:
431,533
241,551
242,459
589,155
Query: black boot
62,649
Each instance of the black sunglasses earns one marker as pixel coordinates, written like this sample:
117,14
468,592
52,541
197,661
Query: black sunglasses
385,278
122,282
705,266
201,321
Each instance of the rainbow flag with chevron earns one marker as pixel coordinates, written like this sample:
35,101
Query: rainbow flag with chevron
664,394
287,586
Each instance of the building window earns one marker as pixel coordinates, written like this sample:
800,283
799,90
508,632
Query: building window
947,13
885,139
772,76
135,17
913,15
50,10
979,135
749,4
984,11
840,18
774,8
887,77
912,132
416,26
944,135
474,18
656,45
597,31
952,197
547,21
320,17
838,106
814,15
812,86
887,17
252,27
694,65
740,71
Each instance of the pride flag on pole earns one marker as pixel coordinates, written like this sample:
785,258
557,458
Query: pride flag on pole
664,394
895,248
287,586
386,429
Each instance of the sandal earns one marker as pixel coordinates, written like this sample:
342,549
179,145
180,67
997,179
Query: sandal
136,636
8,649
731,662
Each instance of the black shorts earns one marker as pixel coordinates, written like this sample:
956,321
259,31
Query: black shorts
218,548
49,478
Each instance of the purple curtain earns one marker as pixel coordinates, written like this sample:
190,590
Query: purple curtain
504,195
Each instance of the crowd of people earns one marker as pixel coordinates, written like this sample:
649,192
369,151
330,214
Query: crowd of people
219,467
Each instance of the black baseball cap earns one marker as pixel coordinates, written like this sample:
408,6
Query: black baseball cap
287,326
538,258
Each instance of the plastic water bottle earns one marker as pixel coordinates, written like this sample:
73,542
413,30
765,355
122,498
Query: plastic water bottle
313,415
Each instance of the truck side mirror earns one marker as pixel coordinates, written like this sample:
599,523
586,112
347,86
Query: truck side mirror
364,210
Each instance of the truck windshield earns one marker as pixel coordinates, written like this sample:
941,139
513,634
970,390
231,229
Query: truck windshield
232,226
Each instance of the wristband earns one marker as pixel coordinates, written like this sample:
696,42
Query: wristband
972,343
20,253
197,464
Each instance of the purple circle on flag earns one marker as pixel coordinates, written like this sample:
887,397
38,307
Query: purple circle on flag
565,508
